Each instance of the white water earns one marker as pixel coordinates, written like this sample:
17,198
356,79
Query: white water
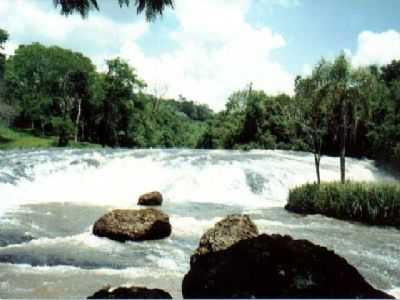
50,199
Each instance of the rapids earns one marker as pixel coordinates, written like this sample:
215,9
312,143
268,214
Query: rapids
51,198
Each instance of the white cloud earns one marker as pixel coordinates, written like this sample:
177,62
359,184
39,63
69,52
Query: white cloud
215,50
217,53
377,48
26,22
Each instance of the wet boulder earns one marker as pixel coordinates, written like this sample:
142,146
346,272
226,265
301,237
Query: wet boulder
133,225
130,293
227,232
150,199
274,266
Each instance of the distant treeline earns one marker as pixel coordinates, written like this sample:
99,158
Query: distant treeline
55,91
337,107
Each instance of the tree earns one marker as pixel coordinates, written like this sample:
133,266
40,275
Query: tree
342,89
3,40
311,112
77,88
159,90
7,112
120,85
151,8
36,84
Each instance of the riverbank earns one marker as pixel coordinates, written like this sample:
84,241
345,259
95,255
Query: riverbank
12,139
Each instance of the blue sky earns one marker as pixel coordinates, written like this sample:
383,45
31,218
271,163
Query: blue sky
207,49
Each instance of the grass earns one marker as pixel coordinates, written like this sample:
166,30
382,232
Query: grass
370,203
11,139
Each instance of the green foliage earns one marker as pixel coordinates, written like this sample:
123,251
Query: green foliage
36,83
54,91
253,119
151,8
370,203
3,38
12,139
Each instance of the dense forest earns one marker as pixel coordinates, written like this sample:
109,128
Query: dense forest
54,91
337,109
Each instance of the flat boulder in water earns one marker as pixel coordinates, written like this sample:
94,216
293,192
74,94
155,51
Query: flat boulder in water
227,232
275,267
130,293
151,199
133,225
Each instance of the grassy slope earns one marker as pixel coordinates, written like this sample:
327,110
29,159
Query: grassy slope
11,139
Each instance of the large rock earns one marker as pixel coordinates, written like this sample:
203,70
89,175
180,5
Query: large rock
130,293
275,267
225,233
151,199
133,225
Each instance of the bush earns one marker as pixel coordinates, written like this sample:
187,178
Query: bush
370,203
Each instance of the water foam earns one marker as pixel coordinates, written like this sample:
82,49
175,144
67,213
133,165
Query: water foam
250,179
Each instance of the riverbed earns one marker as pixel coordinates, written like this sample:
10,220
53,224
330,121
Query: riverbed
51,198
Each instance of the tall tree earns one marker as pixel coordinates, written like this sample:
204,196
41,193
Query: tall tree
151,8
3,40
311,112
342,90
120,85
77,88
36,79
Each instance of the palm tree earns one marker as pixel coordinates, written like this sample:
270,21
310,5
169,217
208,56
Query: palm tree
151,8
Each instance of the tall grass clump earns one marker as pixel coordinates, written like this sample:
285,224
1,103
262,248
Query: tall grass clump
370,203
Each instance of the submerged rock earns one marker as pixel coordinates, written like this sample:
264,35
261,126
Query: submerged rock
133,225
130,293
151,199
227,232
274,267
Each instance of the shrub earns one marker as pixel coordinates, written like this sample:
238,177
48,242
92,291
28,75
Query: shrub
370,203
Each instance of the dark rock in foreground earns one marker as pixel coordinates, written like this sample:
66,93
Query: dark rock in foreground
130,293
133,225
151,199
275,267
225,233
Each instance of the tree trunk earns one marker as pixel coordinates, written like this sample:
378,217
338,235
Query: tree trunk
63,138
78,116
42,127
317,159
343,141
83,138
317,141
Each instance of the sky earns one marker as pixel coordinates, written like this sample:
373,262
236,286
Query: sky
205,50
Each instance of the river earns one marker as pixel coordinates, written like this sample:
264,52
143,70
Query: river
51,198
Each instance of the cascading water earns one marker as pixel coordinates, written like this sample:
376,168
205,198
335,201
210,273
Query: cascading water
50,199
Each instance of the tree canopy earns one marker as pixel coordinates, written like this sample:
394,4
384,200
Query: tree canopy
151,8
336,110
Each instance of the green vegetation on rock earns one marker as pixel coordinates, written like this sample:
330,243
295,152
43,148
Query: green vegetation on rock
370,203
